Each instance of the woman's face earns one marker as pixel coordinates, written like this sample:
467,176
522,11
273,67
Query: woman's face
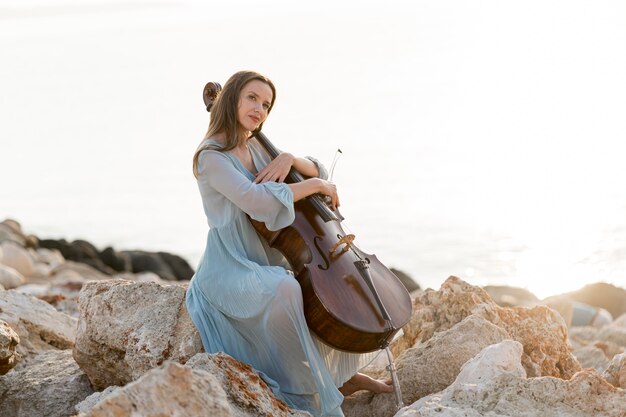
255,100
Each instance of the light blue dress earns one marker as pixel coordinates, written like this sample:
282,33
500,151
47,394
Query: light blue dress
245,301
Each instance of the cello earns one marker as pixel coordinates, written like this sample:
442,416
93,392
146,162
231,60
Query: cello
352,302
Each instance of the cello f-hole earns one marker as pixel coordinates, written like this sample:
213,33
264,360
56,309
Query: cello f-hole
321,252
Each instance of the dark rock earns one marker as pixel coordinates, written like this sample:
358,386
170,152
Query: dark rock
506,296
109,261
119,261
148,261
78,251
408,282
182,269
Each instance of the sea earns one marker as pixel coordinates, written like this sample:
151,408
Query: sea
478,139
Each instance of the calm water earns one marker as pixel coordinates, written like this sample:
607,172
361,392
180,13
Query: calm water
483,140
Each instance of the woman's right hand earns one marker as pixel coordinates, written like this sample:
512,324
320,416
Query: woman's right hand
312,186
329,190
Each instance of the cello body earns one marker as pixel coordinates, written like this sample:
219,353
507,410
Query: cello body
351,300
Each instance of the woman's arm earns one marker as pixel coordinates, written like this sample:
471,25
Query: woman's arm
278,169
311,186
305,167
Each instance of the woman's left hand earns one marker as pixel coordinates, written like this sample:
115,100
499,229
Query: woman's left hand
277,170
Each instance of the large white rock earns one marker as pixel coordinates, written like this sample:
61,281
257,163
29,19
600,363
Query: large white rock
9,232
620,321
8,344
10,278
88,403
170,390
248,395
429,367
52,257
615,374
540,329
494,384
38,324
614,333
49,385
127,328
18,258
591,356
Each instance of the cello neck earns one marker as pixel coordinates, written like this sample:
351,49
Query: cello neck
294,176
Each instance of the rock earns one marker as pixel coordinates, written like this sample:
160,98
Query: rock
127,328
88,403
78,251
429,367
563,305
494,384
50,257
10,233
147,261
70,271
506,296
607,296
248,395
180,267
620,321
541,330
10,278
13,225
120,262
408,282
49,385
582,336
609,349
18,258
62,296
591,356
171,390
168,266
8,343
42,272
39,326
615,373
613,333
610,338
145,277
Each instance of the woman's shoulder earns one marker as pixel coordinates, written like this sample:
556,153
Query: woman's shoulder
212,142
210,145
209,154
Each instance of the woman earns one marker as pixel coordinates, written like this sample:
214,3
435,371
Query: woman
243,299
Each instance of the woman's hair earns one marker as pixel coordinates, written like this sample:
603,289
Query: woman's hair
224,112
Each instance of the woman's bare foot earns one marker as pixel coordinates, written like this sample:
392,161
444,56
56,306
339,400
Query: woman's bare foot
363,382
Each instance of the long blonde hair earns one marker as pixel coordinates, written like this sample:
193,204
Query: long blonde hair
224,113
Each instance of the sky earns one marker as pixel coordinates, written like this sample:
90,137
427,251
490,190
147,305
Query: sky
483,139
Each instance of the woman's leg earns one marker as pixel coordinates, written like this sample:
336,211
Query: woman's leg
363,382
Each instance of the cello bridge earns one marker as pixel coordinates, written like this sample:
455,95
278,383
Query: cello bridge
343,240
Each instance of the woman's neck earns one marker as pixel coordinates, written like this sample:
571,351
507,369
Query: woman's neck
242,141
244,137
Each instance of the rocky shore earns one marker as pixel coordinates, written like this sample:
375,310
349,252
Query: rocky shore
91,333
